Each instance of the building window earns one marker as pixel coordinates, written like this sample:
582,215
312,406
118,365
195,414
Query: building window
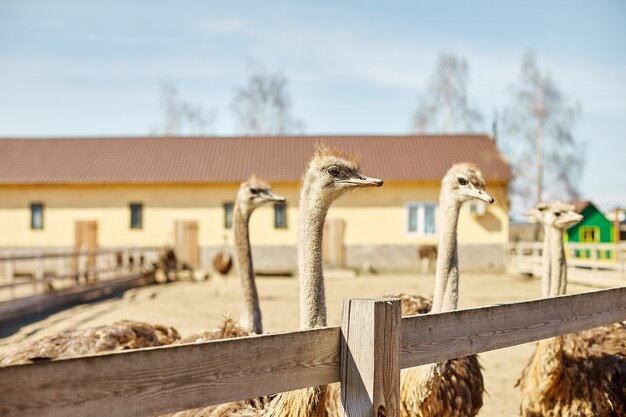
280,216
136,215
36,216
421,218
228,215
589,234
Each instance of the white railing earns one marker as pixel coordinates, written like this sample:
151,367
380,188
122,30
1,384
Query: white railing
526,257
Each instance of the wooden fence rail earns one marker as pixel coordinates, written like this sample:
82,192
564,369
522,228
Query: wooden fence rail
40,267
159,380
39,280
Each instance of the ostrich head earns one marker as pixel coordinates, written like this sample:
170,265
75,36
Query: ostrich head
254,193
464,182
331,173
561,215
538,213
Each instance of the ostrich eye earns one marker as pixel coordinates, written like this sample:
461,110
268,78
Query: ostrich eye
254,190
462,181
334,170
557,214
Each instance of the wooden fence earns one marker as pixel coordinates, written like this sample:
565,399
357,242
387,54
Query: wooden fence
593,261
366,354
32,282
42,270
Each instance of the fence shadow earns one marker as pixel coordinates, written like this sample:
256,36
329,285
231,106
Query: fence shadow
13,325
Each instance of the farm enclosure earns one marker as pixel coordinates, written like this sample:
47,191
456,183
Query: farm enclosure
185,306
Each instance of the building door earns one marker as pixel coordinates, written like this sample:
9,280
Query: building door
187,250
333,250
86,239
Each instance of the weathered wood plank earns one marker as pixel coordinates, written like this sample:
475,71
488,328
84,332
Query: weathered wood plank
438,337
370,352
158,380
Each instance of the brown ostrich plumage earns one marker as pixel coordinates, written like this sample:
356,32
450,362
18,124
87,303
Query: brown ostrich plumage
307,402
228,329
223,262
579,374
121,335
456,391
333,400
412,305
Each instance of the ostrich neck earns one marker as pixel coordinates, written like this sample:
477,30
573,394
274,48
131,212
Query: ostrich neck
547,363
251,316
312,297
545,270
558,263
446,295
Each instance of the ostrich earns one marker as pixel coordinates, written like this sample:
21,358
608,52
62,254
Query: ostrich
538,213
222,262
329,174
127,334
578,374
252,194
454,387
80,342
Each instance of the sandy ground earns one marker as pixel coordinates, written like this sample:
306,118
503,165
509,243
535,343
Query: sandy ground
193,306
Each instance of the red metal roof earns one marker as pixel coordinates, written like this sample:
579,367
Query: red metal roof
232,159
579,206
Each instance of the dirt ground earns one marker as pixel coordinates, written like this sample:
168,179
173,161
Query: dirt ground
194,306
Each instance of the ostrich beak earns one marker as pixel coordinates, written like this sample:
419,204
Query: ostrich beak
481,195
569,218
359,180
271,197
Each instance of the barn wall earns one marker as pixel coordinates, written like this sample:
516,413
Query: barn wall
376,220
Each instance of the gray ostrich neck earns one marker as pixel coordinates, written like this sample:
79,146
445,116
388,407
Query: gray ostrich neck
312,297
251,316
546,260
558,263
554,283
446,295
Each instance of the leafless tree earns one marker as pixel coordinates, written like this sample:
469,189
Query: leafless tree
181,117
547,160
263,106
445,107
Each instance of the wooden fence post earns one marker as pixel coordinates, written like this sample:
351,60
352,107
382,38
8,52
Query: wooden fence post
39,274
83,267
370,357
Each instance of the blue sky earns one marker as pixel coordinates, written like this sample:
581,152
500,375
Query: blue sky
72,68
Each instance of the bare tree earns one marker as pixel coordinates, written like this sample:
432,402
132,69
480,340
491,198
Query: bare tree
446,108
263,105
547,160
181,117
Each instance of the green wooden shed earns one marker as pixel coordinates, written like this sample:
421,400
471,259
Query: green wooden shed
594,228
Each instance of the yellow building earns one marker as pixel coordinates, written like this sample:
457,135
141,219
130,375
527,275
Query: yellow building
155,191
